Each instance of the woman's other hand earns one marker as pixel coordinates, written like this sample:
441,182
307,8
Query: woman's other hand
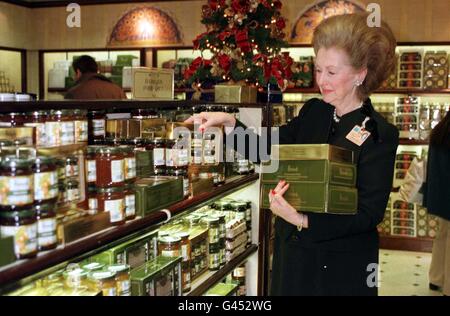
280,207
210,119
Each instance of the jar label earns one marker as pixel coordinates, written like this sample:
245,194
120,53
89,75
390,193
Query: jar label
72,170
25,237
130,168
46,226
130,205
239,272
170,253
16,190
158,157
93,203
45,185
115,209
117,171
47,239
98,127
41,133
67,130
112,291
185,252
213,234
53,133
123,288
91,170
81,131
72,195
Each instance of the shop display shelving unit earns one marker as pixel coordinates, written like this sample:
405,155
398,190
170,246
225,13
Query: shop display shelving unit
24,271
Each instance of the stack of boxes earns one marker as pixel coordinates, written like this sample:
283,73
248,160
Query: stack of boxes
407,116
403,219
410,71
322,178
435,70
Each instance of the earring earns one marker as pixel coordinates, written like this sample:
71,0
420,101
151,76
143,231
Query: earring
358,83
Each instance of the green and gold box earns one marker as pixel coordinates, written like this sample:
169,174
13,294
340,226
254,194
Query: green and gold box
134,252
156,193
234,93
316,197
7,254
158,277
312,152
292,171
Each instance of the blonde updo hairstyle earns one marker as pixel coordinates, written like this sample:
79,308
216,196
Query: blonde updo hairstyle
367,47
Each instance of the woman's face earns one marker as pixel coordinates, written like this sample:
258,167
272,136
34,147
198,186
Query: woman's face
335,76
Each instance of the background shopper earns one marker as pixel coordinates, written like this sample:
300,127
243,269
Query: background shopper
437,200
90,84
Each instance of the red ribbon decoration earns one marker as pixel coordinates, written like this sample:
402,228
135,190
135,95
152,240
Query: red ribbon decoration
242,40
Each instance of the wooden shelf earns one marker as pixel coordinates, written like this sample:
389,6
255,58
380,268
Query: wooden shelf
209,279
422,244
404,141
64,90
381,91
23,268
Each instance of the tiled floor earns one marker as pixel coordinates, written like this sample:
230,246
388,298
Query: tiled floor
404,273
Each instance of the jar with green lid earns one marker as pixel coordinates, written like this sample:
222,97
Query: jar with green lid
22,225
72,191
96,125
129,162
213,229
169,246
130,201
214,256
110,166
105,281
37,120
123,280
75,278
72,168
16,178
81,125
66,122
112,200
92,267
46,226
45,178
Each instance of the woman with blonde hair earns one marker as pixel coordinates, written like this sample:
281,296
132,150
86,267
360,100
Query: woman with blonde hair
326,254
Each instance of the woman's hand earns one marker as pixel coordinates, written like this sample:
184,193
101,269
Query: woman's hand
209,119
280,207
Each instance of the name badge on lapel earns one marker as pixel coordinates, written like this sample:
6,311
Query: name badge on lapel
358,134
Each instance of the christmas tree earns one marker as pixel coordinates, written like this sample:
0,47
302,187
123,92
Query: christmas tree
245,38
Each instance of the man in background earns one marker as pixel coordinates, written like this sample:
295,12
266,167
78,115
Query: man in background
90,84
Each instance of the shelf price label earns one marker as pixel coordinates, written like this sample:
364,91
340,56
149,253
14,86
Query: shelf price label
152,84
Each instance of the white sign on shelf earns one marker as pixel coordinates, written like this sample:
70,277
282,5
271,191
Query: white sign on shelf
152,83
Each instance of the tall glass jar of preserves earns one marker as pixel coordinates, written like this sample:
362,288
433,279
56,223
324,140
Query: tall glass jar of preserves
66,122
45,179
46,226
96,126
129,158
110,166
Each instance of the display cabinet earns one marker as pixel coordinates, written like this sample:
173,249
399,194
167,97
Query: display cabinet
17,276
13,65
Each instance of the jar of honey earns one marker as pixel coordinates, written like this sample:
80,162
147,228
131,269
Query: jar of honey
169,246
112,200
110,166
123,281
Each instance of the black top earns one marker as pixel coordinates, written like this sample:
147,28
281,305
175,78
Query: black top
437,186
375,167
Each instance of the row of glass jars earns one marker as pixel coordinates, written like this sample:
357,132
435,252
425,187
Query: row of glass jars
53,128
